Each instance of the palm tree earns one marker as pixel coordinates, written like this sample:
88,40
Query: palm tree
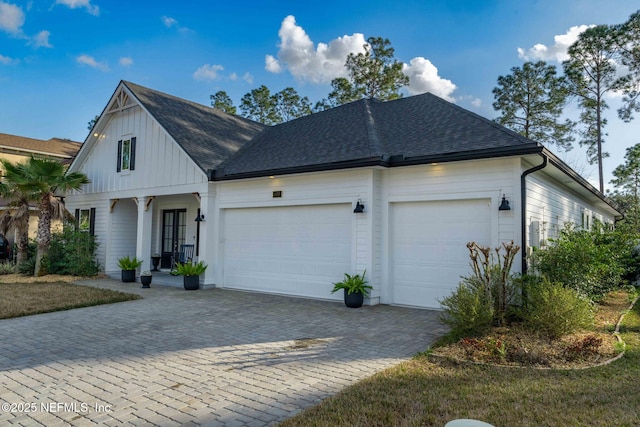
18,214
43,179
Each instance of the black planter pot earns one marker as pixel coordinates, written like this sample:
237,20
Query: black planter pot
128,276
353,300
191,283
146,281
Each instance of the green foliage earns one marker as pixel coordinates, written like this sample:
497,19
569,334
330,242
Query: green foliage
351,284
27,267
627,188
629,43
126,263
557,310
469,310
531,100
72,252
260,105
7,268
190,268
590,262
221,101
372,74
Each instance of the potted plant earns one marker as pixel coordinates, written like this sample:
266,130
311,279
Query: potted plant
145,278
128,267
355,289
191,274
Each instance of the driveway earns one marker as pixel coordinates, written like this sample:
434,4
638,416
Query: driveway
207,357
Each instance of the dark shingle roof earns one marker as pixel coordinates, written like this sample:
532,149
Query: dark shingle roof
54,147
208,135
418,127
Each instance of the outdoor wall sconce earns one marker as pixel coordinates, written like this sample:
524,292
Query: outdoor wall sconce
359,207
504,206
199,217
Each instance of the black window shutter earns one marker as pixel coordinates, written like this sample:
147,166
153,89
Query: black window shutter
92,222
119,156
77,226
132,162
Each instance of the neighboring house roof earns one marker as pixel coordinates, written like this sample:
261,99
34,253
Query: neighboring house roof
53,148
208,135
416,129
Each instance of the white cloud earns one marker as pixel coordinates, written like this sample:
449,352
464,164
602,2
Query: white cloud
423,77
77,4
233,77
248,78
557,52
306,62
91,62
41,39
168,21
208,72
11,18
5,60
126,61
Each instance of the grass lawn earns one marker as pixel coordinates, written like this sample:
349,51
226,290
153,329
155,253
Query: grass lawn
24,299
424,393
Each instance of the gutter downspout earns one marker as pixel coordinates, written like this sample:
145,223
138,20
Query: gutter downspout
523,210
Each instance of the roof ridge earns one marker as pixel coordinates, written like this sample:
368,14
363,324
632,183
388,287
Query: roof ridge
373,137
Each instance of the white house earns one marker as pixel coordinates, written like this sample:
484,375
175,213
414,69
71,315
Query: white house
277,203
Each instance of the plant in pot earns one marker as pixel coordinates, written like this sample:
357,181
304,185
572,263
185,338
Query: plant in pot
128,266
145,278
355,289
191,274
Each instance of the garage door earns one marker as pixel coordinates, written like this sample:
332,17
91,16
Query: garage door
428,247
291,250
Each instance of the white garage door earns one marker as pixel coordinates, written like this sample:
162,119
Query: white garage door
291,250
429,247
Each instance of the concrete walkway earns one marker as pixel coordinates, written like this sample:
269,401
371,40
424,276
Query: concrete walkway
207,357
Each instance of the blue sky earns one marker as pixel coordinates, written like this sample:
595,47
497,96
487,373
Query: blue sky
60,60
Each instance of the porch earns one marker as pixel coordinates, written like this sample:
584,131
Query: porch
162,278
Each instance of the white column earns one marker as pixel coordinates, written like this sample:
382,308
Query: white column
206,247
143,238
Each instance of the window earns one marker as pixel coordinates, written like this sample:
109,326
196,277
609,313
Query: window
85,220
126,154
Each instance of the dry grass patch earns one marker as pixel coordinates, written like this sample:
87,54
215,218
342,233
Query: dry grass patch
24,299
420,392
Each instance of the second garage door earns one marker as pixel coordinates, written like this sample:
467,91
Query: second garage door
296,250
428,247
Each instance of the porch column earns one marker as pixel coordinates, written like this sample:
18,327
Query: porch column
205,246
143,238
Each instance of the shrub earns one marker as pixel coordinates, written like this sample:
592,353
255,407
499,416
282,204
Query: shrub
27,267
590,262
469,310
72,252
556,310
7,268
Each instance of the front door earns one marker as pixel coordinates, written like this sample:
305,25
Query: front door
174,230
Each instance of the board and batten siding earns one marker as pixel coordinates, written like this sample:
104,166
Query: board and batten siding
551,206
100,225
159,161
123,231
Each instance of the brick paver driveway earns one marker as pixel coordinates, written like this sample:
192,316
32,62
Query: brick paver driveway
207,357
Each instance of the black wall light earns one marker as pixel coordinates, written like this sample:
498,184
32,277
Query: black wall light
359,207
504,206
198,220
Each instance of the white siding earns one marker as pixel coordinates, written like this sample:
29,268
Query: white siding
550,206
159,161
124,225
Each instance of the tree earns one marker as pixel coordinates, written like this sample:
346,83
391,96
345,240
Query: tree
591,71
42,179
372,74
627,183
629,43
18,214
92,123
531,100
221,101
260,105
290,105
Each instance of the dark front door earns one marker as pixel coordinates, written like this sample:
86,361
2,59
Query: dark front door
174,229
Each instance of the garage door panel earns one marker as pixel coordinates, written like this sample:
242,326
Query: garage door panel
297,250
428,247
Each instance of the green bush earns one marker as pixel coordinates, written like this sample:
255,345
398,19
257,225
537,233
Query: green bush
72,252
7,268
469,310
556,310
590,262
27,267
